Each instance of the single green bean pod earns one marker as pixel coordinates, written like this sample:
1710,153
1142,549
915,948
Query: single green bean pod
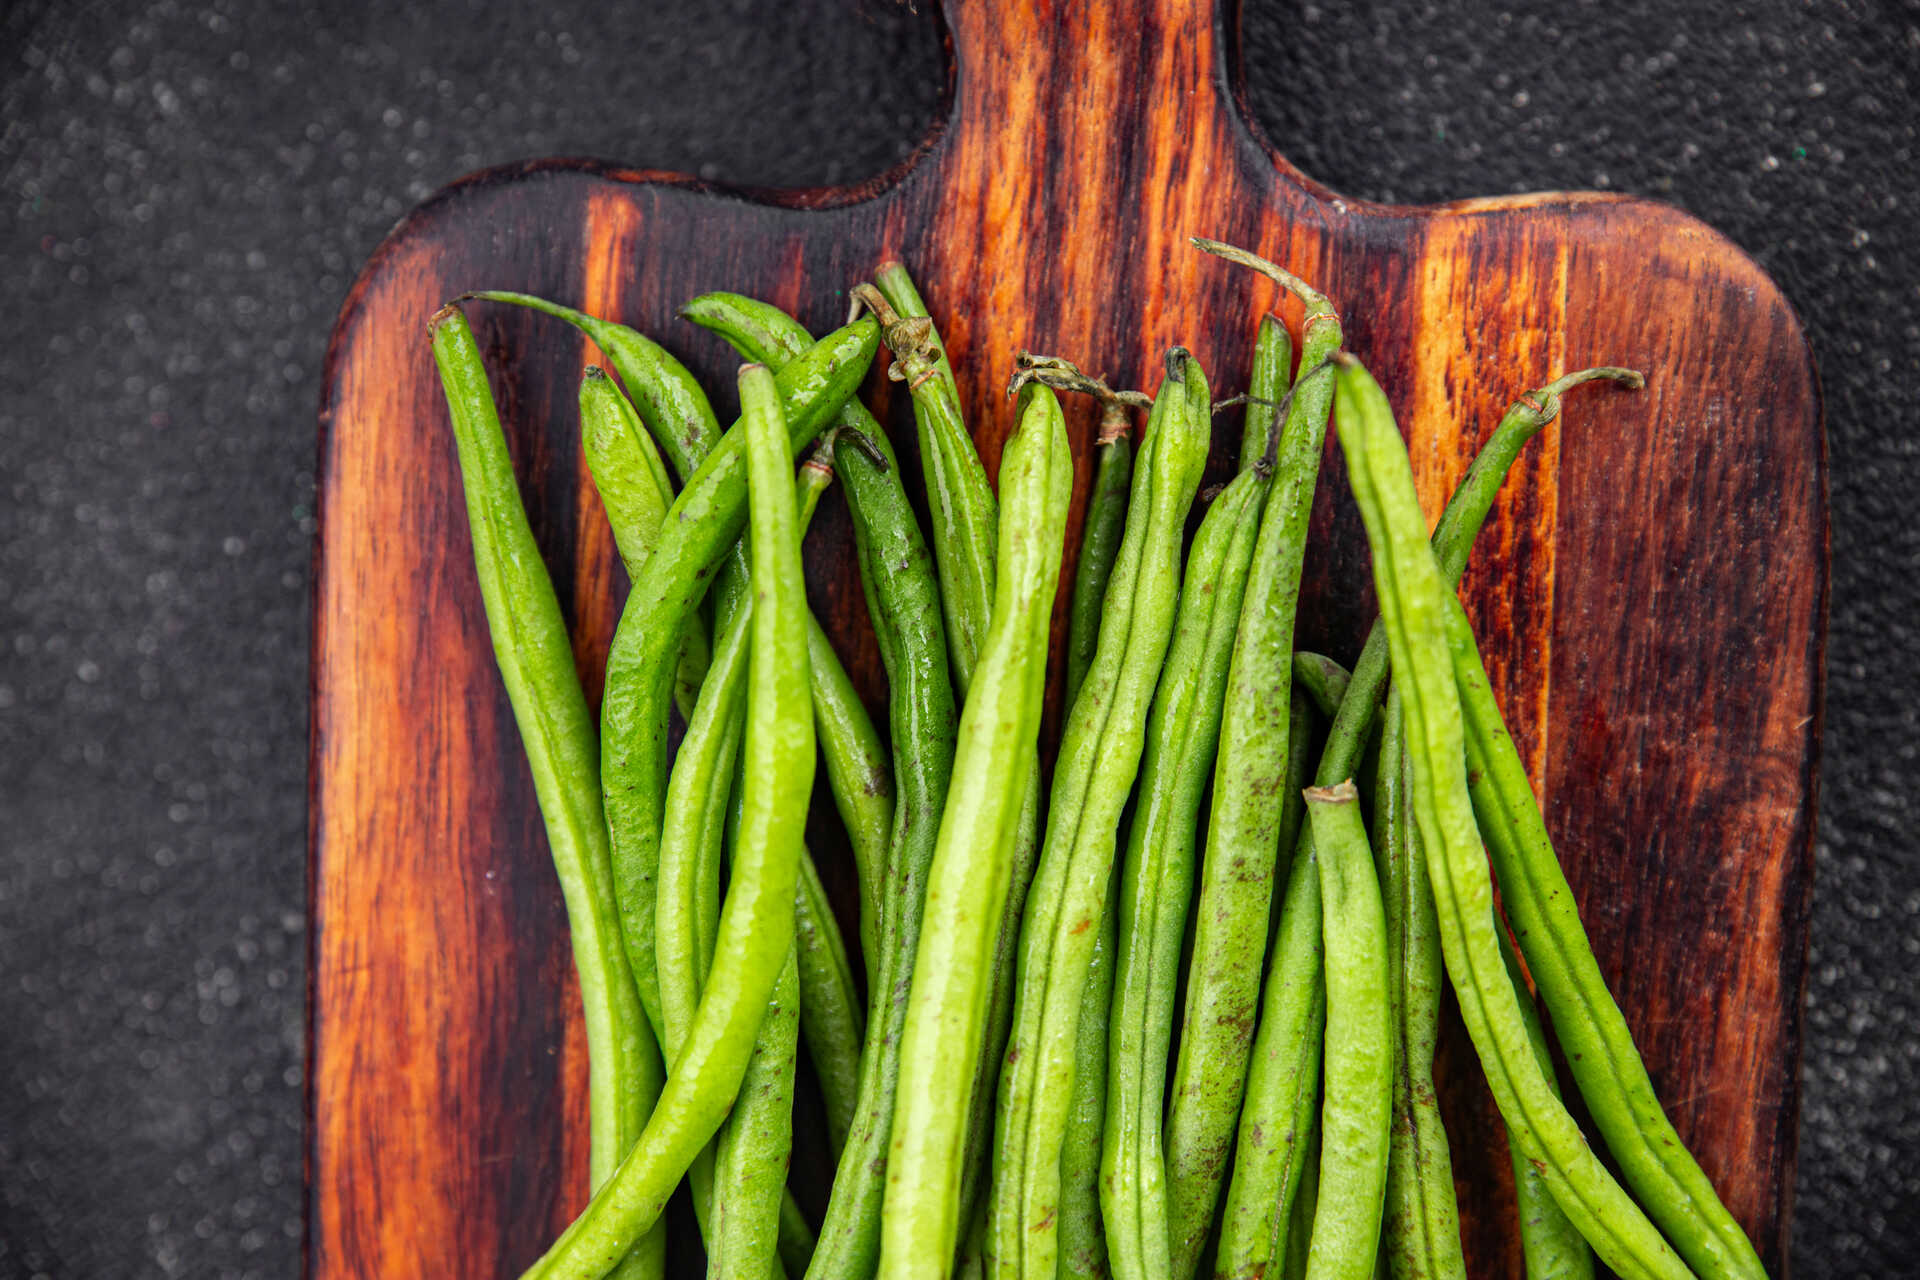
1413,602
1356,1109
1235,900
1106,521
1083,1229
972,865
536,665
1098,760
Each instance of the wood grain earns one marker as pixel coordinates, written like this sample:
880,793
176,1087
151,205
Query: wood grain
1651,589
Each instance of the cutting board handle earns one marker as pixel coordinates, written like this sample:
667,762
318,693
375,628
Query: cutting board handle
1088,88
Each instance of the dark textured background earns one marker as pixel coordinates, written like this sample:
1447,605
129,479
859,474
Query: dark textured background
186,192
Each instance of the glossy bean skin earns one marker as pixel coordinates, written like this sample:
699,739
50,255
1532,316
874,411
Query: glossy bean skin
751,1154
1422,1228
668,397
903,598
535,657
1156,876
1098,760
634,489
1321,679
1235,897
997,751
1106,520
1600,1052
756,925
1413,594
1552,1247
706,520
860,776
1356,1110
1272,376
1266,1147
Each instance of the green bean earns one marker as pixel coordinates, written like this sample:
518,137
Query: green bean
1553,1249
1275,1166
1098,759
633,487
1323,680
1099,543
832,1019
1300,1232
903,598
1413,594
958,495
1269,1119
756,926
536,664
1272,376
754,1146
687,913
1422,1216
1356,1111
1235,899
1157,874
942,1042
858,775
667,396
1083,1235
1600,1050
704,522
962,506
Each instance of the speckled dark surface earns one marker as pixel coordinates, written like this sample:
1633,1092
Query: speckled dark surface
186,191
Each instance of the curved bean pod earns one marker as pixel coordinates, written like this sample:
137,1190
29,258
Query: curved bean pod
1600,1052
1098,760
536,664
704,522
1413,595
1235,903
756,925
667,396
1156,881
997,752
1356,1109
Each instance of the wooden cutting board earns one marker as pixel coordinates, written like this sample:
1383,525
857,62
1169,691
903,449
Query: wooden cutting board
1651,590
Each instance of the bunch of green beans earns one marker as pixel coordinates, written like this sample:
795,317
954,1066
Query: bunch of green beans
1082,1033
